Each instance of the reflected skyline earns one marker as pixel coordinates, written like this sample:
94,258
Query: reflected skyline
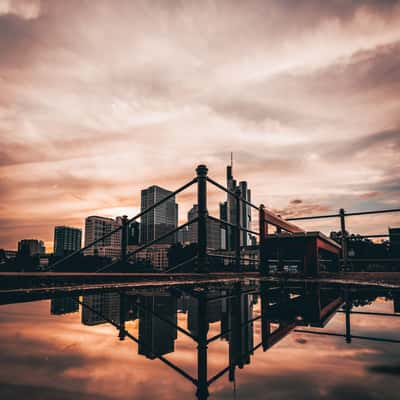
239,320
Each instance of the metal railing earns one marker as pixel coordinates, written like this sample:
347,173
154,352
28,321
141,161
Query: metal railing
201,259
344,234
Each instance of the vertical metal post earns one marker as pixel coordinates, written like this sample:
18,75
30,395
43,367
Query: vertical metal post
344,237
347,307
202,326
263,233
124,238
122,314
237,229
201,171
265,321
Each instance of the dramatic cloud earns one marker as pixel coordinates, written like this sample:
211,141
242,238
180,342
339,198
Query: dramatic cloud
99,100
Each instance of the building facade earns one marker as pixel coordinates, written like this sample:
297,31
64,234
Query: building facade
213,230
228,212
31,247
95,228
161,219
156,255
66,240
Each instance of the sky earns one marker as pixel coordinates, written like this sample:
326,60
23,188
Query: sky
99,100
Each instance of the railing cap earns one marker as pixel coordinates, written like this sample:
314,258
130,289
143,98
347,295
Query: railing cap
201,170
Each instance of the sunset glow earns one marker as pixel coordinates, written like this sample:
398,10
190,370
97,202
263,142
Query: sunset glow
99,100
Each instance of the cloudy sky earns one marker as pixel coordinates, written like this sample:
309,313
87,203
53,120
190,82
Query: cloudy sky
100,99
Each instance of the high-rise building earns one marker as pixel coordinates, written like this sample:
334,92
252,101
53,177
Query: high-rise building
64,305
157,337
183,235
161,219
66,240
223,215
213,230
228,211
98,308
31,247
95,228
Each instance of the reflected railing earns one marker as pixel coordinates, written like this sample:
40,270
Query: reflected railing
280,309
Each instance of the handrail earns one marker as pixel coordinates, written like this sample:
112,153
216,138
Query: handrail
131,253
232,225
177,191
76,252
136,340
346,214
271,218
223,188
232,257
145,246
376,339
181,264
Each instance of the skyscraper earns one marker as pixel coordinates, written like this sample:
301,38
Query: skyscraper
161,219
156,337
31,247
95,228
64,305
228,211
66,240
100,308
213,230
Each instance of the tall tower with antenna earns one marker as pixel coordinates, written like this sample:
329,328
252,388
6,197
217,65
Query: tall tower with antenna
228,210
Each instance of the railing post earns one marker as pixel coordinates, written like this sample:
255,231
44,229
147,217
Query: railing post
124,238
263,233
237,229
348,307
344,237
202,326
122,314
201,171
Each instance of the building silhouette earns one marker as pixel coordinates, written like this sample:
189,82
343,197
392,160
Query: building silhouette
161,219
64,305
156,255
66,240
183,235
213,230
95,228
31,247
213,312
157,337
228,211
100,308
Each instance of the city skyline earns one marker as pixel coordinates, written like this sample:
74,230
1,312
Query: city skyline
306,96
221,210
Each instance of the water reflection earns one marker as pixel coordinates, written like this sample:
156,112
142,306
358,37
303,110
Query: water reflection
244,316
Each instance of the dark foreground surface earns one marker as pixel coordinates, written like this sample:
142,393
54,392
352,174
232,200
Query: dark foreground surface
241,339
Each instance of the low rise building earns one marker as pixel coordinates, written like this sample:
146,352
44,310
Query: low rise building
157,255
